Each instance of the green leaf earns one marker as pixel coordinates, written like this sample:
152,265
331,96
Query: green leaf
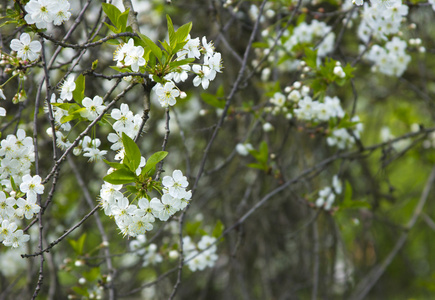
112,12
92,275
179,46
311,57
154,48
220,92
64,106
301,19
348,203
260,45
79,92
122,70
257,166
121,176
83,291
14,186
132,152
132,189
94,64
192,228
218,229
112,28
122,20
115,165
78,244
154,160
183,32
72,115
172,36
181,62
166,46
213,100
264,152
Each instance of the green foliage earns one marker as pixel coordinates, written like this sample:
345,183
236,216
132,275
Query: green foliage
78,244
79,92
216,100
118,18
348,202
154,48
262,157
218,229
120,176
153,161
132,153
192,228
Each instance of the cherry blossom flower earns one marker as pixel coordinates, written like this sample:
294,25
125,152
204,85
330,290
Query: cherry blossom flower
29,207
68,87
32,185
175,184
94,108
134,58
167,94
40,12
26,49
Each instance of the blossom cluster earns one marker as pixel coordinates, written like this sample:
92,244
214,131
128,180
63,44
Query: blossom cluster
201,255
304,34
134,219
312,110
197,256
299,103
92,108
345,138
381,18
43,12
16,156
125,122
327,195
391,60
307,33
149,253
203,73
129,55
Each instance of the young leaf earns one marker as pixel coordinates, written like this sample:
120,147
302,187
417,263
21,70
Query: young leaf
179,46
192,228
218,229
122,20
14,186
79,244
79,92
154,48
172,36
154,160
181,62
131,189
115,165
311,57
121,176
112,28
112,12
212,100
257,166
132,152
183,32
264,152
